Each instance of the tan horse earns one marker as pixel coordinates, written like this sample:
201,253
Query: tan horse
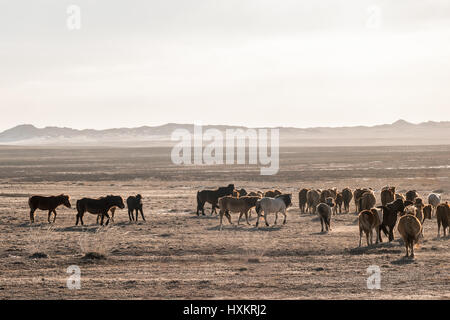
231,204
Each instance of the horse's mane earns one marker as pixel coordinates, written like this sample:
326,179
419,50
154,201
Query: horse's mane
286,198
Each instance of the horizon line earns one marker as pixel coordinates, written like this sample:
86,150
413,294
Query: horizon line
399,121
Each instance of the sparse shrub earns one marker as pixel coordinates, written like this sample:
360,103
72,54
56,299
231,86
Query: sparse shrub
41,241
97,244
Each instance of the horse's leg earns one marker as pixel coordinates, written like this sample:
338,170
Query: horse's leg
285,216
54,217
108,217
246,217
360,236
49,214
276,218
321,223
221,218
130,215
391,234
113,210
258,215
136,212
227,214
98,218
240,216
265,218
439,228
202,207
32,215
142,214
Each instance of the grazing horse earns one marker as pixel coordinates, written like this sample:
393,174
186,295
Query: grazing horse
99,206
47,203
135,204
273,205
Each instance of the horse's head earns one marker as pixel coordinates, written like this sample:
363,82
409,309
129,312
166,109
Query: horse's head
66,200
116,201
138,197
330,202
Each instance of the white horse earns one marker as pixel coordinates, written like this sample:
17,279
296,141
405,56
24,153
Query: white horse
273,205
434,199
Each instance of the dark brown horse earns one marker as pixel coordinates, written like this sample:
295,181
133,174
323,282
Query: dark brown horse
47,203
135,204
212,196
99,206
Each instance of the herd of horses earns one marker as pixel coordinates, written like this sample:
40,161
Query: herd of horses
99,207
409,209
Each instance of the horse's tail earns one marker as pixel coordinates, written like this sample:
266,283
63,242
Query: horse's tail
360,203
198,199
79,206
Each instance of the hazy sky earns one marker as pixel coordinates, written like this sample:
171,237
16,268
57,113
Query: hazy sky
251,62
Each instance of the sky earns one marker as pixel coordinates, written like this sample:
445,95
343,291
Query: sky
236,62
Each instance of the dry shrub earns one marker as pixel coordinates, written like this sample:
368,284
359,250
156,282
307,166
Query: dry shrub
41,241
99,243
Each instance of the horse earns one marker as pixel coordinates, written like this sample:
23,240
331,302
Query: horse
47,203
390,217
273,205
135,204
231,204
212,196
99,206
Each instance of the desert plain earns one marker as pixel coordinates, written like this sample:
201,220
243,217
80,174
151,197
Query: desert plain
176,254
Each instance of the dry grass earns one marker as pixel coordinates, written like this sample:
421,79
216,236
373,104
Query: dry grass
98,241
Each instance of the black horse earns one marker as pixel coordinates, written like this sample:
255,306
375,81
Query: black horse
98,206
135,204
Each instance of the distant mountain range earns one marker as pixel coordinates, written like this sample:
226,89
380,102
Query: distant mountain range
398,133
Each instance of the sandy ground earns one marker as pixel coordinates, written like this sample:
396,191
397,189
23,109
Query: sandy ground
177,255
